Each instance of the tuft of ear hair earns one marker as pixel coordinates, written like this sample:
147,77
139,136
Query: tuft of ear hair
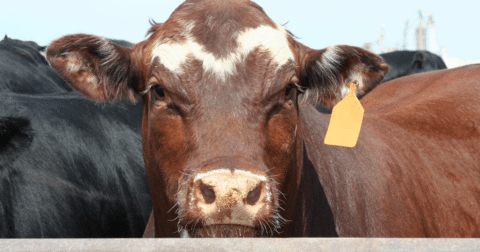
327,73
95,67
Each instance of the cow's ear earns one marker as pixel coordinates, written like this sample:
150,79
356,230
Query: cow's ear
327,73
95,67
419,60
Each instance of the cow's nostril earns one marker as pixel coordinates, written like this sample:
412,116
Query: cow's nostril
208,194
254,195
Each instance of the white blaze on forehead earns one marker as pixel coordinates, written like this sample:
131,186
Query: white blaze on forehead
274,40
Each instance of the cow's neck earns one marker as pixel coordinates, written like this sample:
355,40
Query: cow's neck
312,215
306,205
327,170
344,173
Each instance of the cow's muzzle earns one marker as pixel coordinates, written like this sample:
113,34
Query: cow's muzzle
228,203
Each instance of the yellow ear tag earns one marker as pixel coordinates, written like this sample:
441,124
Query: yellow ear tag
346,121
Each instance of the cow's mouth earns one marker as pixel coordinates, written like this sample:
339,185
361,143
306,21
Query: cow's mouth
224,231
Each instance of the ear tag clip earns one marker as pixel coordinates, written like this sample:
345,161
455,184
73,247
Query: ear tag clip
346,121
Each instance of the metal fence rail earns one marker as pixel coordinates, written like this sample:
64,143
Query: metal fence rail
264,244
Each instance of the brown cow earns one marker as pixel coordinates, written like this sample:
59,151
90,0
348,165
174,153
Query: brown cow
233,145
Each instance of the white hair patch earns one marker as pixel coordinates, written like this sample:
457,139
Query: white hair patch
274,40
184,234
331,57
344,90
329,63
202,175
259,177
74,66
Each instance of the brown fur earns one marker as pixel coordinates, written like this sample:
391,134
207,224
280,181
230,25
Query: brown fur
413,172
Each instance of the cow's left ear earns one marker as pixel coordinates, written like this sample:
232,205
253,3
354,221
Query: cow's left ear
95,67
418,60
327,73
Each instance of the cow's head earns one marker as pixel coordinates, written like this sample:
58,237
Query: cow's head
221,85
424,61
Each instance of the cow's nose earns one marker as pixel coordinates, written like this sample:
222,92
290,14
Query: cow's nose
224,189
231,194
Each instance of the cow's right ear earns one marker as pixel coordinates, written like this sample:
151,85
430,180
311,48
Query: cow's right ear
95,67
327,73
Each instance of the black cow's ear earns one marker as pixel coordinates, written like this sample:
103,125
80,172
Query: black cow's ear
327,73
95,67
419,60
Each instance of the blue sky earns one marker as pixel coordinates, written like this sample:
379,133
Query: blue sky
318,24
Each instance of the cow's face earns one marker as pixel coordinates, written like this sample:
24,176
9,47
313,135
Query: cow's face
220,83
221,117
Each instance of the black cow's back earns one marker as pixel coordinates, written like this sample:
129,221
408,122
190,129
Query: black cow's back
403,63
23,69
71,168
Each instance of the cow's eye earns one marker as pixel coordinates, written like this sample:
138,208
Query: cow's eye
159,91
288,89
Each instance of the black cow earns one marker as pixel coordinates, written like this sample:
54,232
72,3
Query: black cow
403,63
70,168
23,69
